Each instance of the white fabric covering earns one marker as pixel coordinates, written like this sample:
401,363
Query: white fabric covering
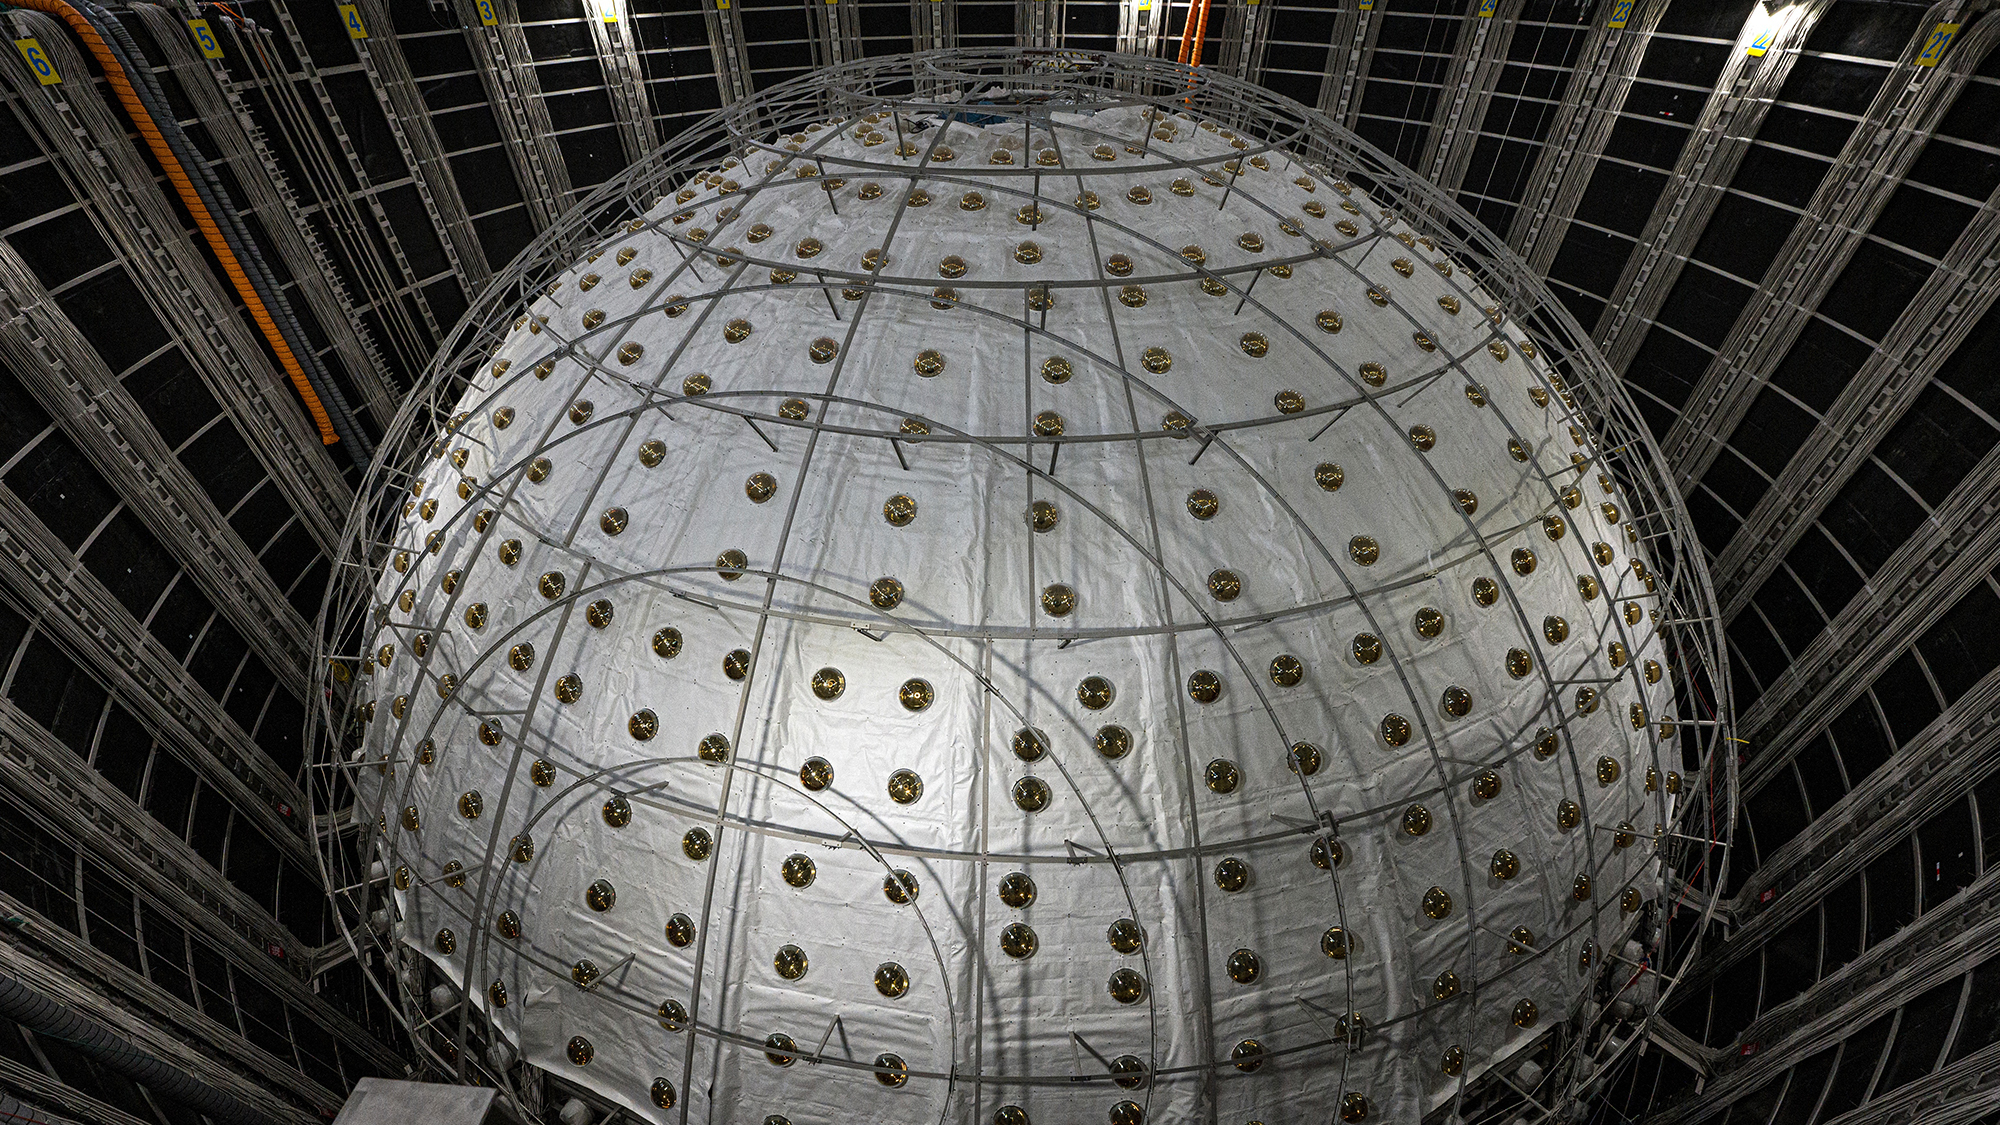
971,625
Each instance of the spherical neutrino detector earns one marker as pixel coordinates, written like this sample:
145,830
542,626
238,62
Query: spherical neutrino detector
1021,587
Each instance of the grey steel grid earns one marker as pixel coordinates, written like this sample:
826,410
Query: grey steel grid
1350,51
45,581
1940,946
423,151
1914,588
615,38
1591,102
1924,337
1721,137
1939,768
97,1001
731,55
61,369
307,136
1480,58
507,71
1246,42
1039,23
836,32
1141,25
225,351
241,144
1688,603
1872,164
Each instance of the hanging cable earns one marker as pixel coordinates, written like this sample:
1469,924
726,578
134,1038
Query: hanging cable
1200,34
203,200
340,412
322,179
45,1015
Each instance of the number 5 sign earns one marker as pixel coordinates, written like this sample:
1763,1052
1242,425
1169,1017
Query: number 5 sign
205,39
38,61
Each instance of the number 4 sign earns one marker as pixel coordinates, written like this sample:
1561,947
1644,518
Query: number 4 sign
351,16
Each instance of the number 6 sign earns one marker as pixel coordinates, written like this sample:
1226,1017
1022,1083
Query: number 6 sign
38,61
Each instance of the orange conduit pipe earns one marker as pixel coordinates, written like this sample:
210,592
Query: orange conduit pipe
1187,31
1200,35
203,221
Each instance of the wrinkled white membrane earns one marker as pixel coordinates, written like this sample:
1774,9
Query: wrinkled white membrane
970,625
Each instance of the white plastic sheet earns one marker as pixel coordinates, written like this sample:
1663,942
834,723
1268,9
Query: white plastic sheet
1139,836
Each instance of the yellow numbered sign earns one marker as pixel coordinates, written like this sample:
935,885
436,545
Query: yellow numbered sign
205,39
1763,43
1487,8
1621,11
1941,37
486,13
351,16
38,61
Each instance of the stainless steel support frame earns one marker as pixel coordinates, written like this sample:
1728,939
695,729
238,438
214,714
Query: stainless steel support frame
47,584
72,992
1959,749
41,1090
367,194
934,24
1352,48
613,34
836,30
409,120
1141,22
507,70
263,181
1038,23
1946,555
1935,949
728,48
78,803
91,968
1923,337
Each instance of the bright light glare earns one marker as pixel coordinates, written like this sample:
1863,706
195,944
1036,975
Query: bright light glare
1767,22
